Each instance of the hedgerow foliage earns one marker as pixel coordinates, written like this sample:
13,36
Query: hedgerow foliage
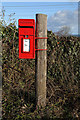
63,85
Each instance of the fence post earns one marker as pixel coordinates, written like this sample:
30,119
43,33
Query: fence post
41,60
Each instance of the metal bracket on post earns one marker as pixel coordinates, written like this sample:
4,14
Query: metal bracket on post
40,38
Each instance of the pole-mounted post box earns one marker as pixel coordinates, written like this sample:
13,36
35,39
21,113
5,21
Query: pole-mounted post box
27,48
26,38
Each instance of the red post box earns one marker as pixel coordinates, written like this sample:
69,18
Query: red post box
26,38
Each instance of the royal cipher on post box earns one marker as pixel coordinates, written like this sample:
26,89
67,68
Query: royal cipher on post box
26,38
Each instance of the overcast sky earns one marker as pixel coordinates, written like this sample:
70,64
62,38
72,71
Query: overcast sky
59,14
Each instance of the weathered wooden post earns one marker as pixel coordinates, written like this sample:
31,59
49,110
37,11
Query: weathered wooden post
41,60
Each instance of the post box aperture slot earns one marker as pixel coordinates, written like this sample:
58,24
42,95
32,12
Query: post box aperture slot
25,26
26,45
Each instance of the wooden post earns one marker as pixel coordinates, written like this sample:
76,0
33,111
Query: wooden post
41,60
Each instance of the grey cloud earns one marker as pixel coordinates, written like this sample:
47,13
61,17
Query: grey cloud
64,18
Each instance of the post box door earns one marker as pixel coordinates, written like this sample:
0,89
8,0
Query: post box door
26,38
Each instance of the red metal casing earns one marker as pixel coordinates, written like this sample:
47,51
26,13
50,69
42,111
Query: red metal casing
26,35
